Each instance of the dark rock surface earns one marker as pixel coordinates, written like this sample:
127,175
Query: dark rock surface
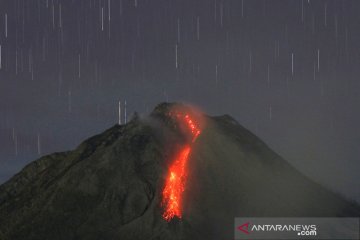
110,186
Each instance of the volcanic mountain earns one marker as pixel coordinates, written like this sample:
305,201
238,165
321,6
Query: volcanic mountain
177,174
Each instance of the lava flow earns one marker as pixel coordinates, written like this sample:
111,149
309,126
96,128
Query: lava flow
176,179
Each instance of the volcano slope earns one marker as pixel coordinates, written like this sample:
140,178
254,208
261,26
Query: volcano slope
112,185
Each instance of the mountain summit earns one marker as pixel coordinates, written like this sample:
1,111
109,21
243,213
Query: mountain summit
177,174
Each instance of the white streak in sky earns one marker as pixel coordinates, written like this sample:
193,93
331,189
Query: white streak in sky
60,16
302,10
109,10
292,64
318,59
69,101
215,11
121,8
119,111
6,25
44,48
102,19
268,75
38,144
176,56
79,70
125,112
325,15
16,62
216,74
16,145
109,19
221,14
198,28
30,59
242,8
53,15
250,62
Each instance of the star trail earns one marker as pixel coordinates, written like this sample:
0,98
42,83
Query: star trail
286,70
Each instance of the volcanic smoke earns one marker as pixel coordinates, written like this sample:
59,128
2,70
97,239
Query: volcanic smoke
177,175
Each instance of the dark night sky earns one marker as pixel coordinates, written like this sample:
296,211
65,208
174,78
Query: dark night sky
287,70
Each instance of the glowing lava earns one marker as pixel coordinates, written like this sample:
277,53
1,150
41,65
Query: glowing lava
175,185
176,179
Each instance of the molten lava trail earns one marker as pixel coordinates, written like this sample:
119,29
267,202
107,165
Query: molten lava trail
176,178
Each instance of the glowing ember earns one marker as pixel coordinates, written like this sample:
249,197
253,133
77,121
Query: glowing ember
194,130
176,179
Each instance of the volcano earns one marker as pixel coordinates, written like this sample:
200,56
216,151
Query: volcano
177,174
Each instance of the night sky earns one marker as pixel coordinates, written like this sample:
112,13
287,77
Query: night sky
286,70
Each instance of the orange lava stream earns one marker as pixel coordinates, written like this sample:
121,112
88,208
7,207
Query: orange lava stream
175,185
176,179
